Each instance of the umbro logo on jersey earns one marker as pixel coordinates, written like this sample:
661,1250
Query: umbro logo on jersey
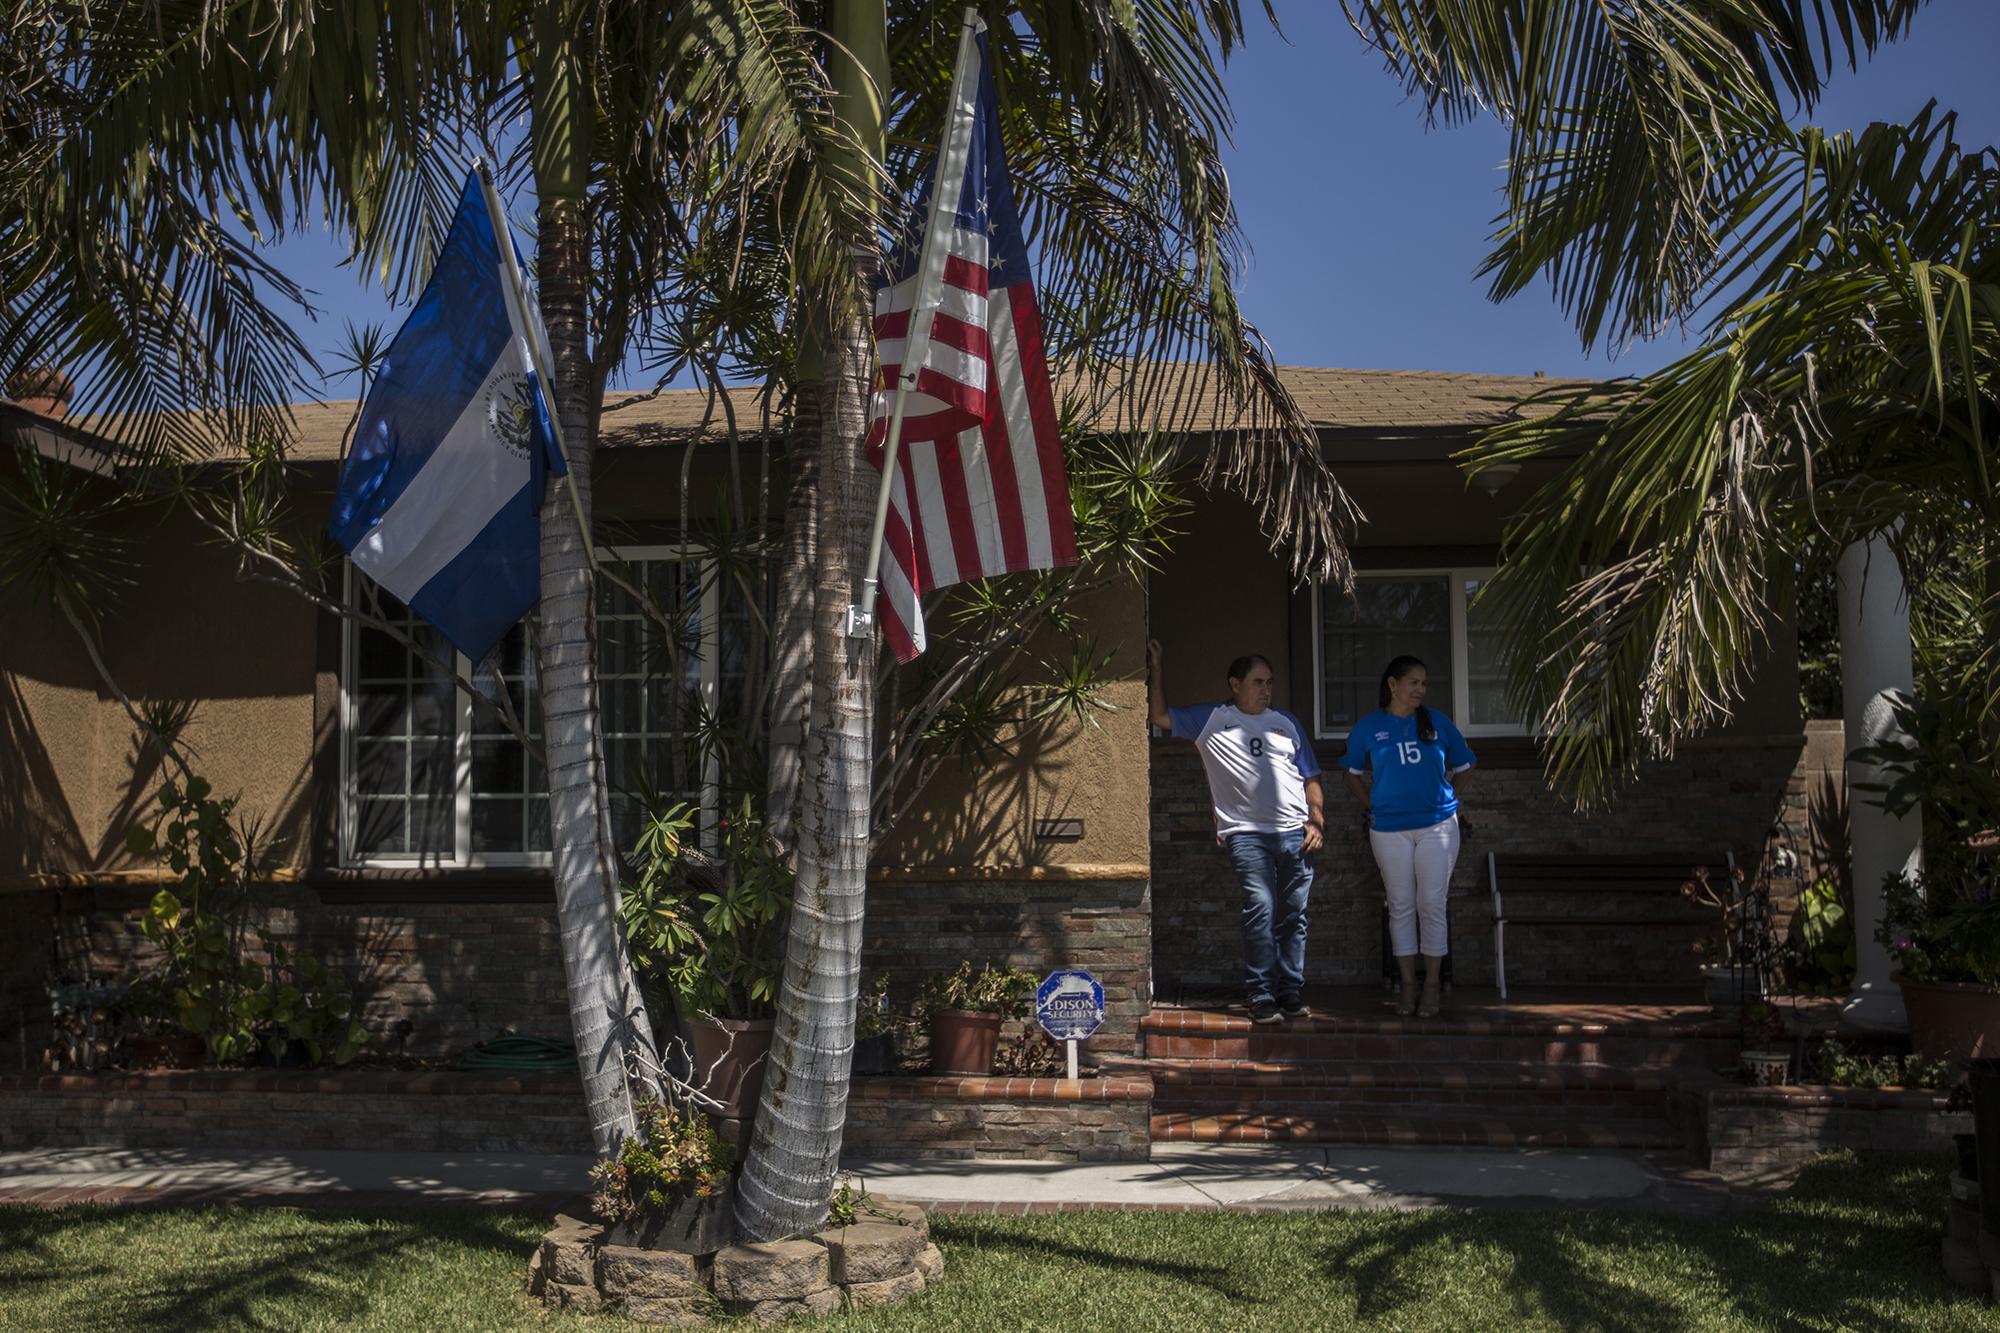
1381,735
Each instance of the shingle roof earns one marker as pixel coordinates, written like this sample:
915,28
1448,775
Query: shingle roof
1363,400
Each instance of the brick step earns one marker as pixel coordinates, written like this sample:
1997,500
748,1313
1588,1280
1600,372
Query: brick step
1473,1075
1278,1045
1416,1128
1680,1022
1251,1085
1626,1105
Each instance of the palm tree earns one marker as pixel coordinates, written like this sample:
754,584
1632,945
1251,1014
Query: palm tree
1846,391
135,128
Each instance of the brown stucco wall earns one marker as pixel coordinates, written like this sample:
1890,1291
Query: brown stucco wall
1092,770
184,630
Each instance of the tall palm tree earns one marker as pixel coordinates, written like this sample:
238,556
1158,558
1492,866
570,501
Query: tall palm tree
136,129
1114,117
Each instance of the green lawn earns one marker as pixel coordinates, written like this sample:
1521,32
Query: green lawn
1855,1245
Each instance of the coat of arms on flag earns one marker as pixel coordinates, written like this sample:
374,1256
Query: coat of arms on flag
440,501
979,486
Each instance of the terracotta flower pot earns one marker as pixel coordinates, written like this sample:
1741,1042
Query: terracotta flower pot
1951,1020
729,1059
963,1041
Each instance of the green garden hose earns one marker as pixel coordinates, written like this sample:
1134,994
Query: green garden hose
520,1054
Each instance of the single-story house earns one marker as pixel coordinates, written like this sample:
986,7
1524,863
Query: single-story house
404,826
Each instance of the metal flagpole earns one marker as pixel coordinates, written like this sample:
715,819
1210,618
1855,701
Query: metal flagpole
525,319
930,276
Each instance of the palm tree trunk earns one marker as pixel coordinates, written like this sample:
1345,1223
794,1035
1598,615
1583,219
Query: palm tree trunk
602,998
792,621
787,1178
788,1174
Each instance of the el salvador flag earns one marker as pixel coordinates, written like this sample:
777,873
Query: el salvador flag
439,499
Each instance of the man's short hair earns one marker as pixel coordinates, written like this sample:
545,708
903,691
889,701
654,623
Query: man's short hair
1240,668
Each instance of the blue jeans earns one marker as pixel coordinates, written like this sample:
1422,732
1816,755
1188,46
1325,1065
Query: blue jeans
1276,872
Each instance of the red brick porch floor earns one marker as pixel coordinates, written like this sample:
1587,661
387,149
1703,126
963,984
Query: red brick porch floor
1544,1069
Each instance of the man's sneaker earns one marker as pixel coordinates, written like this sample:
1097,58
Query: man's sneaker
1291,1006
1263,1011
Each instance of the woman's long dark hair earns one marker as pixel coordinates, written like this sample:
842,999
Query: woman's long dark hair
1398,668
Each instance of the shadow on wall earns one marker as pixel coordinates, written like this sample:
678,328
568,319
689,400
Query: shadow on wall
38,831
985,813
1827,831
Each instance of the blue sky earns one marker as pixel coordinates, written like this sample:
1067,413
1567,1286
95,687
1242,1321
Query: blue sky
1366,229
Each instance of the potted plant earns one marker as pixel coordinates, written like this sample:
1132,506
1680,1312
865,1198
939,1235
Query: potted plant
669,1187
964,1010
874,1030
1744,946
707,934
1941,924
1764,1061
1942,930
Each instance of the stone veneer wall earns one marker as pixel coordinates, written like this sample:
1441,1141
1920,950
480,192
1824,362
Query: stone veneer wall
1713,794
400,1111
359,1109
439,971
432,977
1751,1131
921,923
27,945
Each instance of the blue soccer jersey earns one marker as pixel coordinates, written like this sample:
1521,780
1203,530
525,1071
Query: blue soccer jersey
1412,782
1258,765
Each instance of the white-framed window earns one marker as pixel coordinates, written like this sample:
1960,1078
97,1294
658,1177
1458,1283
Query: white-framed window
430,773
1427,613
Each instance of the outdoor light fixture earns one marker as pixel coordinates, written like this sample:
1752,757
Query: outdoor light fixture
1491,478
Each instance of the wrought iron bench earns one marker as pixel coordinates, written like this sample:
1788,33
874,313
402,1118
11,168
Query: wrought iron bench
1647,889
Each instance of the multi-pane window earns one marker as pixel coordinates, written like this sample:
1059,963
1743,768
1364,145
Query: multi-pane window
432,773
1427,614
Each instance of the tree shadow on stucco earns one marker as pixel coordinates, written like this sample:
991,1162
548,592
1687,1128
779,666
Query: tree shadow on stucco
38,830
1852,1236
291,1256
986,808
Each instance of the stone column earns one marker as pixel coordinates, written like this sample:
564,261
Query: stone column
1875,672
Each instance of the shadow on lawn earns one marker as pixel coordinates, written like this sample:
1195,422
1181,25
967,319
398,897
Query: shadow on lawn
1217,1278
1854,1236
304,1258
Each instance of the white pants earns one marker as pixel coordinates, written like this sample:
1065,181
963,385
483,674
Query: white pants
1416,866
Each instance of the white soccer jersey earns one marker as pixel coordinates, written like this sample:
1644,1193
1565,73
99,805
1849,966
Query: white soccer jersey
1257,765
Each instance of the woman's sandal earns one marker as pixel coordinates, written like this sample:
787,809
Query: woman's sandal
1406,1004
1431,1004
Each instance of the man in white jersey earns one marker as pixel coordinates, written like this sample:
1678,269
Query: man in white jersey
1263,780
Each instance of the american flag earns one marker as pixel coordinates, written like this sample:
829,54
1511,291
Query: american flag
979,487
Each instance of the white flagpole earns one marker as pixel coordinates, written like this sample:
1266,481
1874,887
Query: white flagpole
930,276
526,320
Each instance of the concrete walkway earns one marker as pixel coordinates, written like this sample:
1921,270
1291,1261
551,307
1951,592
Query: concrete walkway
1206,1177
1181,1177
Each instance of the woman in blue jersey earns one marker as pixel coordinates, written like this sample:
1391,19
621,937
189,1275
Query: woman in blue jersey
1418,761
